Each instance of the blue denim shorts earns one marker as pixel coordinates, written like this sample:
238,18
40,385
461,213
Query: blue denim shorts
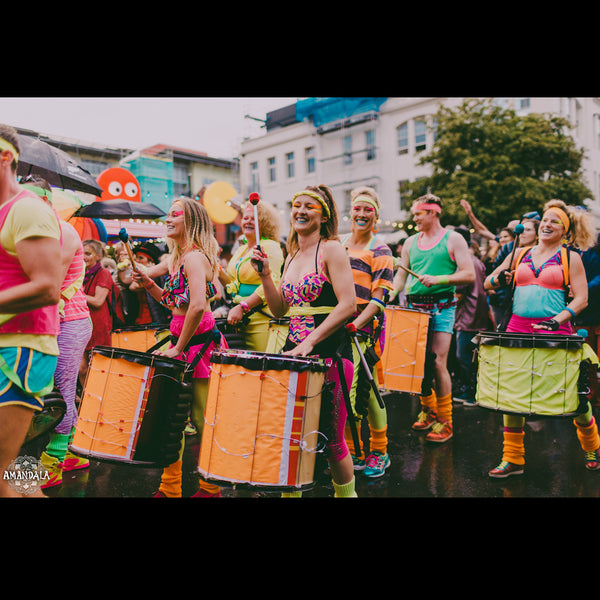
34,369
442,317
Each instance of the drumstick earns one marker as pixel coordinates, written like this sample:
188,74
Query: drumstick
254,198
124,237
351,329
408,271
518,231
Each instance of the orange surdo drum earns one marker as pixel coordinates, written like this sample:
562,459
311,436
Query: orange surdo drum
140,338
406,349
132,408
261,420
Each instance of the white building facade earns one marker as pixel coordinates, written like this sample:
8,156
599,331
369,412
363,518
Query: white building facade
347,142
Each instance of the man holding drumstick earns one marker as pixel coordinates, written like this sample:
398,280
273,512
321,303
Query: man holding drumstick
433,262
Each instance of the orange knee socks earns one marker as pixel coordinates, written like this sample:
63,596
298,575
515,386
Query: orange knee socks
378,440
588,436
444,408
429,402
170,481
514,446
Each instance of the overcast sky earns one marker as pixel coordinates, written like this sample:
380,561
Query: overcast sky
216,126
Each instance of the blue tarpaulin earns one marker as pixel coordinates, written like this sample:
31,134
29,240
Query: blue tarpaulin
327,110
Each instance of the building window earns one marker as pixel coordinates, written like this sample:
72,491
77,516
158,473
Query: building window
370,143
402,136
420,134
309,155
402,193
289,157
347,149
254,180
272,169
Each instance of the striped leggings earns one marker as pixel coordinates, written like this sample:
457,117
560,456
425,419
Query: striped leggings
72,340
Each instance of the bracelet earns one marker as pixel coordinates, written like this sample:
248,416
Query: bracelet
245,307
149,286
378,303
443,279
571,311
492,282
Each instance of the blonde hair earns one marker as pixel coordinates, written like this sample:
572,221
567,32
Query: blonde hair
198,234
269,225
329,228
99,248
365,191
582,233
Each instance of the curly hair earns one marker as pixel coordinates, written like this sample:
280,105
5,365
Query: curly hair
269,224
582,233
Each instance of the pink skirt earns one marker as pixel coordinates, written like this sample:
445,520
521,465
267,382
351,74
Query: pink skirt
202,369
524,325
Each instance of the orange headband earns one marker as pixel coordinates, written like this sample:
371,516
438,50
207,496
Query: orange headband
562,215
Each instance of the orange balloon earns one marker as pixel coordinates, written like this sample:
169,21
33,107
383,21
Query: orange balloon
119,184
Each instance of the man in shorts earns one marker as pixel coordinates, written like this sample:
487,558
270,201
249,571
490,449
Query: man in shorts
440,258
30,280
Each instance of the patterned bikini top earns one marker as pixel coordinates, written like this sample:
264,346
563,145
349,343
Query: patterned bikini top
176,291
312,288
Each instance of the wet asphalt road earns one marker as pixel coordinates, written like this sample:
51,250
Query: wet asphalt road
457,469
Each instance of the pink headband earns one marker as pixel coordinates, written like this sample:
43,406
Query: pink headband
428,206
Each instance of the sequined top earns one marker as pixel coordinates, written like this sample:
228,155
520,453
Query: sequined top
176,291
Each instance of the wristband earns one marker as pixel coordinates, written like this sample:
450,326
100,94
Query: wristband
378,303
245,307
571,311
443,279
150,285
492,282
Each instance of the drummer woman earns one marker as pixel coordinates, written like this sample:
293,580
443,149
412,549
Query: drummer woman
373,271
315,290
193,263
242,281
542,304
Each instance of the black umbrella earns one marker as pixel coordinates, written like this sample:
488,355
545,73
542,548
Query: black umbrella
56,166
119,209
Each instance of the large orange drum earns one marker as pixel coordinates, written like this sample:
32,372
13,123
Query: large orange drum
261,420
140,338
405,348
131,410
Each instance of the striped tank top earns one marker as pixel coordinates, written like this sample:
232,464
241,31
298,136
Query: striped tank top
76,306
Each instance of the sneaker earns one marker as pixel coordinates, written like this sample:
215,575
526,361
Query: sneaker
441,431
377,463
358,463
506,469
425,419
204,494
592,460
159,494
54,469
190,429
73,462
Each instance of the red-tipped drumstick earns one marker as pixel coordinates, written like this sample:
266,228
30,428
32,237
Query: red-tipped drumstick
254,199
351,329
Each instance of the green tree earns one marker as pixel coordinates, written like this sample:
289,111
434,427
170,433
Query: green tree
502,163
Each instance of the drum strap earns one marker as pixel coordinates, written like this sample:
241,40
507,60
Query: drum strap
303,311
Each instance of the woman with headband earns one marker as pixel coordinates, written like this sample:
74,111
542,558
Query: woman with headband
193,263
242,281
542,302
30,279
373,271
315,291
442,260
